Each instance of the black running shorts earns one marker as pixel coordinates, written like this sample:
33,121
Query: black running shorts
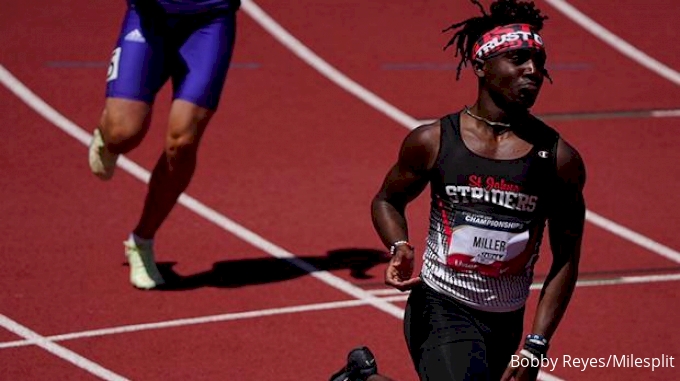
450,341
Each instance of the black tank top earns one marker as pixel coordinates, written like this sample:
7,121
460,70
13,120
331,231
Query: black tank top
487,217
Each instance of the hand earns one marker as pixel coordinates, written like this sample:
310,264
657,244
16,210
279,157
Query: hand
400,269
520,373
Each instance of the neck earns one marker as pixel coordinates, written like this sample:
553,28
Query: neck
499,118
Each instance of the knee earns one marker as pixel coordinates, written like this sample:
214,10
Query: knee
121,132
181,147
186,127
117,134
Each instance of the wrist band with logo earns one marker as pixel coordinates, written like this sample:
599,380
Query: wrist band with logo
536,344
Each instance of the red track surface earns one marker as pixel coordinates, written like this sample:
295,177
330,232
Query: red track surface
296,159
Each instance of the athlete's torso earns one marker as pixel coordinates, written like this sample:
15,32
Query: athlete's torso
487,219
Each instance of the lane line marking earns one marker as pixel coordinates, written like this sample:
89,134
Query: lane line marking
137,171
392,112
581,283
616,42
34,338
386,294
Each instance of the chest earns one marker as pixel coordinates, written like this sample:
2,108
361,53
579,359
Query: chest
464,178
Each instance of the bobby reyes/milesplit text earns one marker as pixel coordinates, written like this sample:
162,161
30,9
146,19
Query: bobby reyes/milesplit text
583,363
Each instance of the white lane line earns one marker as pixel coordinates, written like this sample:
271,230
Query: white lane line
581,283
343,81
238,230
49,113
78,133
633,236
34,338
386,294
194,321
618,43
665,113
319,64
634,114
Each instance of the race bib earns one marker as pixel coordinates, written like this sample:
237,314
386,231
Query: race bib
489,245
112,72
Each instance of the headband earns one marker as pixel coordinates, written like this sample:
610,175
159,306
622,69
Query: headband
506,38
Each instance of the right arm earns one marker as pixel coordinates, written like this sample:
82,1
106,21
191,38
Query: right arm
405,181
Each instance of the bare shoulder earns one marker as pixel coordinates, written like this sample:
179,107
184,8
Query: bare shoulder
424,135
420,147
571,167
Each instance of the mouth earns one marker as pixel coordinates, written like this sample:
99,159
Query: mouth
528,92
532,86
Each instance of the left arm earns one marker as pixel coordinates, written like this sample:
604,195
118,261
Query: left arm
565,226
565,223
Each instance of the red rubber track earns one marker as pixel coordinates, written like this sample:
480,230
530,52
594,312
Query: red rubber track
296,159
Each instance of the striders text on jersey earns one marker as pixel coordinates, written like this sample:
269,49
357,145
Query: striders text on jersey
492,190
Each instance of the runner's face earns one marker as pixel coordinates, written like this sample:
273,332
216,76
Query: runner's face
515,77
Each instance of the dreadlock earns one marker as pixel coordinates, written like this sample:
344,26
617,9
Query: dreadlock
501,12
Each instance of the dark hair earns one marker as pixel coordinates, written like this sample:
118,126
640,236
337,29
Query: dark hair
501,12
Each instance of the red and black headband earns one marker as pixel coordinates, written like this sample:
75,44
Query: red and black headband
506,38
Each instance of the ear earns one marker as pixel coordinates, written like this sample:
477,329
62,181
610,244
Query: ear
478,66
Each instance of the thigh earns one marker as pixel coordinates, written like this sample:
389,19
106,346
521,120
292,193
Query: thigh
503,340
444,341
137,69
203,60
415,329
125,118
462,360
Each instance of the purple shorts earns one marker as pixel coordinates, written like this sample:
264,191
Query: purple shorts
193,50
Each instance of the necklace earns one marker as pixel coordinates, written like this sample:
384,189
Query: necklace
490,123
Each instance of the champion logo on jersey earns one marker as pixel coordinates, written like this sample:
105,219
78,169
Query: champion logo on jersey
543,154
135,36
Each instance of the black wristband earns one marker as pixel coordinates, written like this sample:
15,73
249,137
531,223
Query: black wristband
537,345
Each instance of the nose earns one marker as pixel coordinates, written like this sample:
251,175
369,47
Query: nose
533,70
530,66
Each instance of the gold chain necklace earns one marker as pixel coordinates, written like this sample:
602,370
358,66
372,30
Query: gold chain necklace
490,123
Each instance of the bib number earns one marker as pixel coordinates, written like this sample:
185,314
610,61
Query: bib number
112,72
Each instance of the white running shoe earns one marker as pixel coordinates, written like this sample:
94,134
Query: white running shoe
143,271
102,162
